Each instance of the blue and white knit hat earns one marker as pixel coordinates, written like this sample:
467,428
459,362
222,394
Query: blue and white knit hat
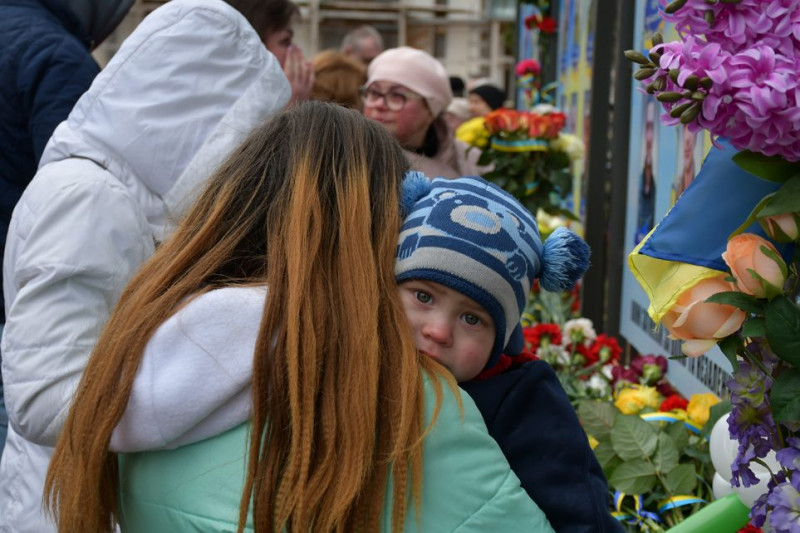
473,237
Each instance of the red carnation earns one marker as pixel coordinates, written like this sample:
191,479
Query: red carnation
547,25
531,21
534,335
589,356
606,349
673,402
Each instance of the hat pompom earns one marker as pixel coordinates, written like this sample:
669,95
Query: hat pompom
415,185
565,259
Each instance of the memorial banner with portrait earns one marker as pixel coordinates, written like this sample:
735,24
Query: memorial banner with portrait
662,161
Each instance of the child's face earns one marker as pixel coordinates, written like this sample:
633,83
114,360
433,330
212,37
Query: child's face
448,326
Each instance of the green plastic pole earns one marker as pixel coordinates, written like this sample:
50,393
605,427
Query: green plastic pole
725,515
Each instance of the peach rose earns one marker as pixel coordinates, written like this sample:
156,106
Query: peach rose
756,265
701,324
782,228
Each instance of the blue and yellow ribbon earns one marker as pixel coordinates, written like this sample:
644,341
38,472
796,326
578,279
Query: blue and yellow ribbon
672,417
638,513
523,145
678,501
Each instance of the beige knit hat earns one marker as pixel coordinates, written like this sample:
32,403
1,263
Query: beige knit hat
418,71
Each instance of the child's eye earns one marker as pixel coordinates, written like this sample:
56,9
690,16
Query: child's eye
471,319
424,297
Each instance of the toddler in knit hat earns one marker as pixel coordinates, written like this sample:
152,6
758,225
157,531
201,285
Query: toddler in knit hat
467,256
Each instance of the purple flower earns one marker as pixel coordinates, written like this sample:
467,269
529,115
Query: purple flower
751,422
758,512
741,473
789,458
749,384
784,501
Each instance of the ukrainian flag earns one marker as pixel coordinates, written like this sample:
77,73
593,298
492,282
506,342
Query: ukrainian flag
687,245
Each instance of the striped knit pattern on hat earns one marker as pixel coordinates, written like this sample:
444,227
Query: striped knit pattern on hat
473,237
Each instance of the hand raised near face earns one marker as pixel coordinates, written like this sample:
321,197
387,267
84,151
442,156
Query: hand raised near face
300,74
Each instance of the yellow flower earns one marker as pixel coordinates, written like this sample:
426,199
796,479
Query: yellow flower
593,442
700,406
473,132
570,144
634,398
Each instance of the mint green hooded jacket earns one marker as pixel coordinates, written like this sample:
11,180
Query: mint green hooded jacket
467,483
194,483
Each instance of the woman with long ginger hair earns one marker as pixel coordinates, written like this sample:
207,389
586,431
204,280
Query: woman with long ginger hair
343,406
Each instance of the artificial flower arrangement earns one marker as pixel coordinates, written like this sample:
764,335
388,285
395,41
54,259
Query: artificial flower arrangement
734,73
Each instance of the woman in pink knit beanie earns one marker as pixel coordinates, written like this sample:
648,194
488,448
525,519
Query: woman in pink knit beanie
407,91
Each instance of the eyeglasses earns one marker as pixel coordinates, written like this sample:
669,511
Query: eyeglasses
394,100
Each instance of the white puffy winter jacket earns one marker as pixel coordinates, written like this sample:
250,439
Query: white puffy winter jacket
190,82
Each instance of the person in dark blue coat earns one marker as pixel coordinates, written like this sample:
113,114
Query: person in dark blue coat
45,65
467,256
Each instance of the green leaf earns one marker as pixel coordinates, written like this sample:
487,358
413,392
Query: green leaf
681,480
678,433
698,455
633,477
785,396
633,438
784,200
606,457
754,214
597,418
754,327
730,348
776,257
737,299
782,319
769,168
666,456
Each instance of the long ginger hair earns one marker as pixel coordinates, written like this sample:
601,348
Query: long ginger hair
309,205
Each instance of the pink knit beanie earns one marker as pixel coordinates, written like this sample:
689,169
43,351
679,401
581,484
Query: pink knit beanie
418,71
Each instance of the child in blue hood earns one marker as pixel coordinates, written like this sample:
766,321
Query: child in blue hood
467,256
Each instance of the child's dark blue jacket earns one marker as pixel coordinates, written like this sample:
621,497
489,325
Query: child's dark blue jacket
529,415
